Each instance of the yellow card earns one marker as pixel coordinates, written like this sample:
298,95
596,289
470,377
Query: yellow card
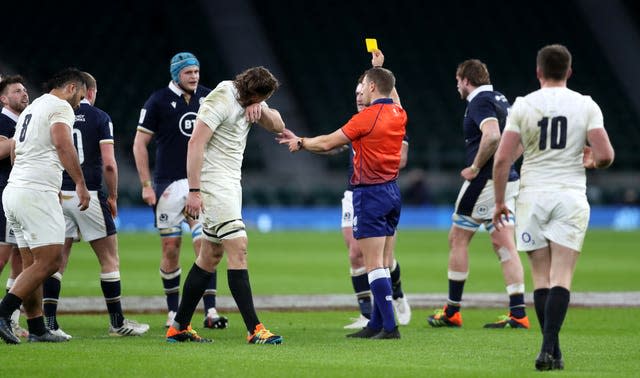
372,44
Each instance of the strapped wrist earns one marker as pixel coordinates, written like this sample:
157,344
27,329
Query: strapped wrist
146,184
301,143
194,190
474,169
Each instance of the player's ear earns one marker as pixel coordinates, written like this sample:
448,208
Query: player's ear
569,72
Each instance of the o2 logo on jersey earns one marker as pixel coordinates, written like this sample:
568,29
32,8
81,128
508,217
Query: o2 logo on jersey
526,237
483,210
164,217
187,123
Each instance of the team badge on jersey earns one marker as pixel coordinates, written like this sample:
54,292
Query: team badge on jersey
187,123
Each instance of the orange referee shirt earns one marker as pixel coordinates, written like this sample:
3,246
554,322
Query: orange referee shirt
376,135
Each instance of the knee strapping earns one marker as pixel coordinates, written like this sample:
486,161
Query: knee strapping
503,254
170,232
196,232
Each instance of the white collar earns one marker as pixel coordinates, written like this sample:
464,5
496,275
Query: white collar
482,88
85,101
10,114
175,88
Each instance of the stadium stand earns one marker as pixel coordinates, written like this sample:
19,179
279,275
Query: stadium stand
320,48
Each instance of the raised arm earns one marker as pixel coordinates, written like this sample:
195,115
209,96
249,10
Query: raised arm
271,120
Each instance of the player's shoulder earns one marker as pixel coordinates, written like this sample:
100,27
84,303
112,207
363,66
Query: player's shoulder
161,95
201,90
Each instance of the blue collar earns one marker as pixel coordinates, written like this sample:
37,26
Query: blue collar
382,101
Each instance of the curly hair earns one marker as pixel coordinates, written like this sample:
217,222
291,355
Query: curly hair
255,84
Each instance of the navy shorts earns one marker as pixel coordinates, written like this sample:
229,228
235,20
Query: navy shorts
376,210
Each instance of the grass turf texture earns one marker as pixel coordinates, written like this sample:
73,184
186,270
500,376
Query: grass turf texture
317,263
596,343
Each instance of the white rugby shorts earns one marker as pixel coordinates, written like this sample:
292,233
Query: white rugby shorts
347,209
222,215
561,217
169,209
483,205
93,223
34,215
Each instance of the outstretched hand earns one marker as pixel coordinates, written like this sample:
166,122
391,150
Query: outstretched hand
290,138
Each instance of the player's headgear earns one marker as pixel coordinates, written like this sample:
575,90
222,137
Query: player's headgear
181,61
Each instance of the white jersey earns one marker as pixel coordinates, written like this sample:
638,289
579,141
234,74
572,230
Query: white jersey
37,165
553,125
226,118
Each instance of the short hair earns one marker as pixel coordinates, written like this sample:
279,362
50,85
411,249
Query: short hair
382,78
64,77
475,71
89,80
8,80
255,82
554,62
361,78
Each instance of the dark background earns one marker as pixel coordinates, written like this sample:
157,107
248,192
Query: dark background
316,48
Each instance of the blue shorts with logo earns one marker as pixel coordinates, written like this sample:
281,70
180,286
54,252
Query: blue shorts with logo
376,210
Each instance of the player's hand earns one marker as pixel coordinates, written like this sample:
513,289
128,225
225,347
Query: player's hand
285,136
83,196
469,173
149,196
377,58
253,112
193,206
587,158
289,138
112,202
500,216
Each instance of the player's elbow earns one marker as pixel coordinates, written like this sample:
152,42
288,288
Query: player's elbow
278,125
605,160
110,167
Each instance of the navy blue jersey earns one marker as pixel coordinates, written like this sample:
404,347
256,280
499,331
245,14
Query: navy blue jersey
171,120
485,104
7,129
350,170
92,127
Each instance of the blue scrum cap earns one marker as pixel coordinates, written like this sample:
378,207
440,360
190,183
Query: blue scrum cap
180,61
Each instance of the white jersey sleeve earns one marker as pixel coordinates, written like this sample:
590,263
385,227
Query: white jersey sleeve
553,125
37,165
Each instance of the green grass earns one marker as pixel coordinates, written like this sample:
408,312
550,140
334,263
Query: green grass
315,346
597,342
279,260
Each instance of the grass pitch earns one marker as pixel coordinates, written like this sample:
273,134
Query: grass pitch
596,342
317,263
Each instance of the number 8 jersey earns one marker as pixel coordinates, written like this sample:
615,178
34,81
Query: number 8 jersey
553,124
34,148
